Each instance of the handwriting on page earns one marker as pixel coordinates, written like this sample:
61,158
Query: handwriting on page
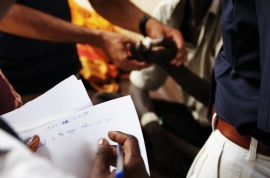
71,141
66,127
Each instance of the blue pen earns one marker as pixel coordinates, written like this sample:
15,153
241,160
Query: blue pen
119,162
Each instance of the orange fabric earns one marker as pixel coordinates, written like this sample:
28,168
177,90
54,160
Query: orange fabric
97,69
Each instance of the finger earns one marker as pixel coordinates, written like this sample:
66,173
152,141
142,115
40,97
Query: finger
130,143
132,50
33,143
103,158
114,153
181,57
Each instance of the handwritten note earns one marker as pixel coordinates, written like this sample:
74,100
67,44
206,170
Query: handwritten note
71,142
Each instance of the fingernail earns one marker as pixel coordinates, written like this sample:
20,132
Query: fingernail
101,141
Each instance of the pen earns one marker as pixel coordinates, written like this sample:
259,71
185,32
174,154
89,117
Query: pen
119,162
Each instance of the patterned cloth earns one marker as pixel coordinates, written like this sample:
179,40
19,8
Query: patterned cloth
97,69
9,99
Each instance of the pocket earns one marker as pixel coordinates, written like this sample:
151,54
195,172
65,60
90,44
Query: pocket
206,163
211,164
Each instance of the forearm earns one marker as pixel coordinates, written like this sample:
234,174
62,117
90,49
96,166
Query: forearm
197,87
27,22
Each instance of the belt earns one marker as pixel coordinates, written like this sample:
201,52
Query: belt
242,140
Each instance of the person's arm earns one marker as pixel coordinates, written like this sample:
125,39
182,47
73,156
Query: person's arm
125,14
28,22
196,86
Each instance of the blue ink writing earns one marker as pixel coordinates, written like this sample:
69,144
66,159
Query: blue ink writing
85,125
86,113
51,127
109,119
81,115
71,131
65,122
95,123
61,134
41,144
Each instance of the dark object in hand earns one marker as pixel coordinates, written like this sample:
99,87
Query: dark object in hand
162,49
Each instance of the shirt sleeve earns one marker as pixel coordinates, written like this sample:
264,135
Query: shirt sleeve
16,160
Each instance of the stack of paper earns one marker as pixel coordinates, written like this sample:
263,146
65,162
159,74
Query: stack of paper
69,127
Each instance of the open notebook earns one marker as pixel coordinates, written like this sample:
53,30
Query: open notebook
70,127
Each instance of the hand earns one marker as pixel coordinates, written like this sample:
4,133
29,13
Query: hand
115,45
159,51
33,143
133,163
167,156
155,29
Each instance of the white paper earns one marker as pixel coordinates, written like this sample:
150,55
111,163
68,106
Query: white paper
71,142
69,95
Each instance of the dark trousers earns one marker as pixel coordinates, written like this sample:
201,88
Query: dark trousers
177,118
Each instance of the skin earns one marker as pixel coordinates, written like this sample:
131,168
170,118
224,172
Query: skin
131,19
33,143
196,86
38,25
27,22
133,163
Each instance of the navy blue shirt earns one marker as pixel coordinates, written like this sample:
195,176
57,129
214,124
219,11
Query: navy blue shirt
35,66
242,68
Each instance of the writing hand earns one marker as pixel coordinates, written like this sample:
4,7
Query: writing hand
155,30
133,163
33,143
115,46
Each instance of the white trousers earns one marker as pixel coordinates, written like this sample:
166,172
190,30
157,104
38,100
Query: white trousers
221,158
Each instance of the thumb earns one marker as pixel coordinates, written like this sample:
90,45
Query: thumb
103,159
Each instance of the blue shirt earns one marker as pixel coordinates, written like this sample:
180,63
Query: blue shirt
33,65
242,68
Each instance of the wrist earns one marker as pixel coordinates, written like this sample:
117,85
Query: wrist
93,37
152,27
142,25
100,38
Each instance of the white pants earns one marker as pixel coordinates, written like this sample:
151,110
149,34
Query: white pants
222,158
